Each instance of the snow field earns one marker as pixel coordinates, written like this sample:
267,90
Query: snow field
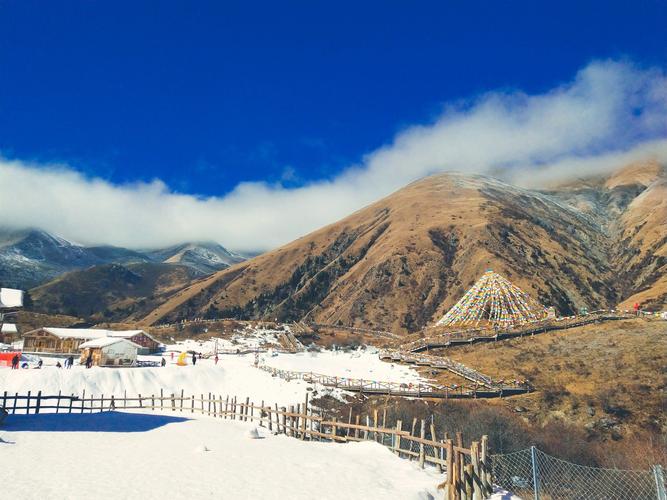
172,461
234,375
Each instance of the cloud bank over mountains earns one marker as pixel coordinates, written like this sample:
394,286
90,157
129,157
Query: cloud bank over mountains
610,114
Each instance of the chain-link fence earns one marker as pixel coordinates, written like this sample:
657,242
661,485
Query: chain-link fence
532,474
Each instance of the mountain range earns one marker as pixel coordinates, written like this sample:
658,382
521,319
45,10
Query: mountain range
403,261
32,257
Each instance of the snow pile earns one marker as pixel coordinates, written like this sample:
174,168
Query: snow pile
199,458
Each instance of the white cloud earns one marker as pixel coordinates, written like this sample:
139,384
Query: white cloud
610,114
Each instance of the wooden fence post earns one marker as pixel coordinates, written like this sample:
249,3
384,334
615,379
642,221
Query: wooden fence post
83,399
71,402
182,394
468,482
57,404
305,414
487,480
284,419
450,470
161,400
422,435
27,404
397,437
476,472
173,402
247,402
39,402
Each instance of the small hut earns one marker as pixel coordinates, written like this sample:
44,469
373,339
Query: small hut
110,351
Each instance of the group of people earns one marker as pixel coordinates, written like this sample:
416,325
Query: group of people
16,361
68,362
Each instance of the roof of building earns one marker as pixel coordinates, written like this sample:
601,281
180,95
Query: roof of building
89,333
106,341
8,328
10,297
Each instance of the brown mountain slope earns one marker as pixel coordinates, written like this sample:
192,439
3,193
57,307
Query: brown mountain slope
631,206
403,261
111,292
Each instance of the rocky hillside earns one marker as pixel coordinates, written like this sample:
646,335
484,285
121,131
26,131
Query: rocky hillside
401,262
111,292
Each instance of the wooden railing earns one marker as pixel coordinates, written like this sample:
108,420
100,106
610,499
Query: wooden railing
485,334
468,470
404,389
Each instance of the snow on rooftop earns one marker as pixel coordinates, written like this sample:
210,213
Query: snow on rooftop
8,328
105,341
10,297
90,333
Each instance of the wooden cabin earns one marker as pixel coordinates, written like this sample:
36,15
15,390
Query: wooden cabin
7,332
109,351
68,340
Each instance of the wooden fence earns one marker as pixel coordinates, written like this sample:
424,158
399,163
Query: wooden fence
411,390
468,470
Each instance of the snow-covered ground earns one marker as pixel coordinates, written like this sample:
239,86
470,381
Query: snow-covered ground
234,375
121,455
361,364
166,455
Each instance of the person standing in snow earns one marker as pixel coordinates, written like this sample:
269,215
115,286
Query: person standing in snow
40,363
163,361
15,362
194,359
70,361
216,359
89,360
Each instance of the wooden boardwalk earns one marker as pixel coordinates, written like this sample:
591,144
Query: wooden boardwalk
473,336
401,389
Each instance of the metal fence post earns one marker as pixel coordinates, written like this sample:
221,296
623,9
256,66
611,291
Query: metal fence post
536,487
659,482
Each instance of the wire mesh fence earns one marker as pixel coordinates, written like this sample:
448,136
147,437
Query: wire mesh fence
533,474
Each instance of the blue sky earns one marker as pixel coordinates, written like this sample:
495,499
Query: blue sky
206,96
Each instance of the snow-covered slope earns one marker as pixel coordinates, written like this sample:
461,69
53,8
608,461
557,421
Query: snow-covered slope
173,456
32,257
204,257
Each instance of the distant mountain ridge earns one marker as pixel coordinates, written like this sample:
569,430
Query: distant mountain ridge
32,257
